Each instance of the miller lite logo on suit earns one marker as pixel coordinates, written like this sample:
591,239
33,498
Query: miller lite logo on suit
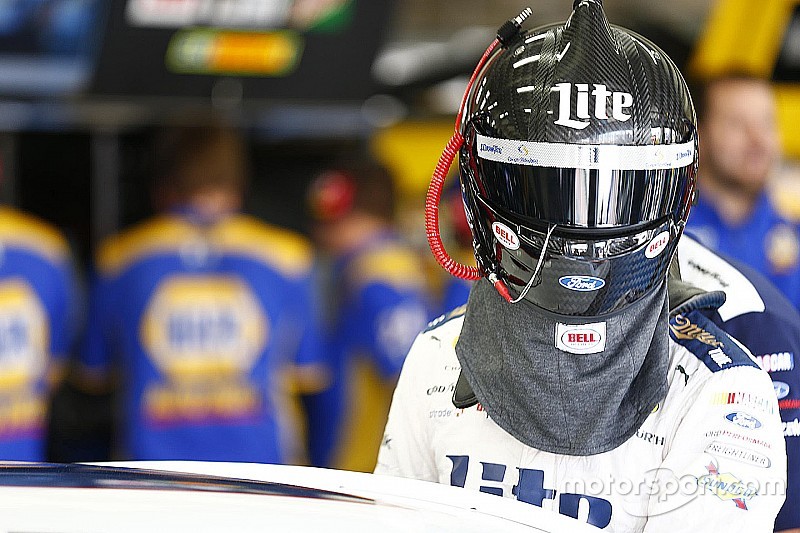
581,283
505,236
581,338
657,245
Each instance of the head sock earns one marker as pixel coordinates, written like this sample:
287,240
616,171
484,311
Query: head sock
567,385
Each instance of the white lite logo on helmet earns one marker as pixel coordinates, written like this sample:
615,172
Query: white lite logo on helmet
619,102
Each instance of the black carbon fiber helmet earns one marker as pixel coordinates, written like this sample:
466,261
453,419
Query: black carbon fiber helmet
579,138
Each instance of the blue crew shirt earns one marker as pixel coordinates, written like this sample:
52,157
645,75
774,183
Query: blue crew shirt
37,325
380,305
213,326
766,241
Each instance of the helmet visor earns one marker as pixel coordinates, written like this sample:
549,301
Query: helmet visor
584,186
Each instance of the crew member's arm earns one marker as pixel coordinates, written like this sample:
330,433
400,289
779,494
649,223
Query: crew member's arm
92,372
312,373
394,319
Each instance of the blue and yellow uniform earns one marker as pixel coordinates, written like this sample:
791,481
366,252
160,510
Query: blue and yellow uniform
209,321
766,241
37,326
381,306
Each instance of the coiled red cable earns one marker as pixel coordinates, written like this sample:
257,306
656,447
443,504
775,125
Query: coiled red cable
432,200
434,194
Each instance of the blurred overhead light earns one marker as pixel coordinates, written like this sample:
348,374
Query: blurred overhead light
383,110
405,64
445,97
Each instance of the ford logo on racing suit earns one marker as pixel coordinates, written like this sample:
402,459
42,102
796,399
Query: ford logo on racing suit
581,283
781,389
744,420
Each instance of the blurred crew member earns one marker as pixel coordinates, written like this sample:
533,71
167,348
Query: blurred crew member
739,148
575,373
210,312
377,298
37,327
455,290
762,318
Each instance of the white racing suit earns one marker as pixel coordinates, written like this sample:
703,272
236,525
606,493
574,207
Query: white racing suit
711,456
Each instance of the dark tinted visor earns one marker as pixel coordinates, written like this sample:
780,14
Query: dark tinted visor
584,186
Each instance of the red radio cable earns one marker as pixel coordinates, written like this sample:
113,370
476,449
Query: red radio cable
434,195
505,34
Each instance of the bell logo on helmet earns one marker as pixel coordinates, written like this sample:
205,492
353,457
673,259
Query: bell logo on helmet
657,245
581,283
619,102
505,236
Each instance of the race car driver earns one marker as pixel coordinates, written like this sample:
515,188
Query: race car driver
571,380
759,316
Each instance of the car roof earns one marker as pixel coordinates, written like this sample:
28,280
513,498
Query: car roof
206,496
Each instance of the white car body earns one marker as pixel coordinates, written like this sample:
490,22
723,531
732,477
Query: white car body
204,497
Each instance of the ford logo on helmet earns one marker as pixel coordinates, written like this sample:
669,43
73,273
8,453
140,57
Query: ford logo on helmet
581,283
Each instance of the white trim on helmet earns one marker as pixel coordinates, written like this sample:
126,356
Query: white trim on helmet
588,156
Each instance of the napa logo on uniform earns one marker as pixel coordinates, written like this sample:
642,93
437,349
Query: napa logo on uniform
204,326
743,420
205,334
781,389
581,283
24,338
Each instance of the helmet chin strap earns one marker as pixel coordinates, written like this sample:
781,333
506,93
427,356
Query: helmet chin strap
504,35
538,267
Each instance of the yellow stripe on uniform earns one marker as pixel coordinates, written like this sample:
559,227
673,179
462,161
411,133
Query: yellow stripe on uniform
161,234
309,378
26,231
394,265
368,402
284,250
